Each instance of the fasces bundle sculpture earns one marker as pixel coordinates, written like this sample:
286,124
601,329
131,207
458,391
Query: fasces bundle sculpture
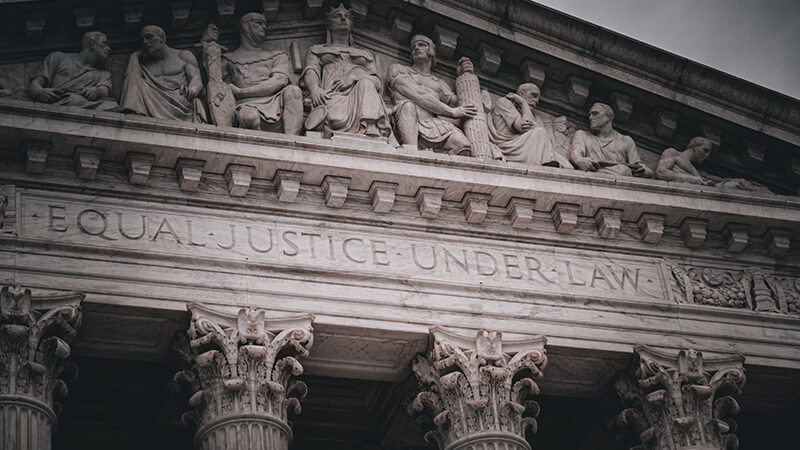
77,79
340,90
161,81
343,83
260,81
426,108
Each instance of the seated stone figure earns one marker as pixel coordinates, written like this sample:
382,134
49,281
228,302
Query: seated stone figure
161,81
519,133
259,80
426,110
343,84
684,166
604,149
76,79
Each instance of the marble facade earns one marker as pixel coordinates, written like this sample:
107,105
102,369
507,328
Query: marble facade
249,289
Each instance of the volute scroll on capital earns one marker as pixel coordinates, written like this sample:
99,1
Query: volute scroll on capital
476,390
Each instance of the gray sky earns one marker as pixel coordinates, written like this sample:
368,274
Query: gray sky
757,40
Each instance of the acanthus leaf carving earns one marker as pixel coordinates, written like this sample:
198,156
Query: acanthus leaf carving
243,366
477,390
672,399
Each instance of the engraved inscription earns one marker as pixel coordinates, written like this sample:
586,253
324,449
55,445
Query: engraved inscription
283,242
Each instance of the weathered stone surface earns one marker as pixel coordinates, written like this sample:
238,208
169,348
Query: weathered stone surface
87,161
673,401
132,15
609,222
240,374
190,172
736,237
492,377
84,18
565,217
139,166
180,14
520,212
288,185
489,58
34,26
402,26
651,227
446,41
429,201
533,72
36,155
665,122
693,232
475,206
577,90
382,195
238,178
35,333
778,242
622,104
335,190
753,155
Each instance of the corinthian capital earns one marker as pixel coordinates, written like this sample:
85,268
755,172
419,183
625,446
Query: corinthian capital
476,389
673,400
34,343
240,371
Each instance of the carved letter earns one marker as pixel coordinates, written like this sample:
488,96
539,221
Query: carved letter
102,232
122,232
295,248
571,278
312,244
347,253
253,246
52,218
512,265
383,250
416,261
480,268
448,256
534,265
597,274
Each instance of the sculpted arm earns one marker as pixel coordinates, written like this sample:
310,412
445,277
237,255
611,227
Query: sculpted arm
640,170
195,85
39,88
311,78
578,155
277,81
670,159
402,83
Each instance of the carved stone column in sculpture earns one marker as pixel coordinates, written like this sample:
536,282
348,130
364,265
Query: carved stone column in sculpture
476,389
677,401
34,344
241,369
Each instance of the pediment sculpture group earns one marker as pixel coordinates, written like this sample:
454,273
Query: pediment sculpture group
341,92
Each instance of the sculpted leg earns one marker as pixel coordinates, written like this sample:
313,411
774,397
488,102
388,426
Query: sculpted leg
249,118
407,124
292,110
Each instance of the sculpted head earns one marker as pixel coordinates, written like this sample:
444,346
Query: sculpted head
701,149
254,27
423,48
340,19
154,39
97,44
530,93
600,114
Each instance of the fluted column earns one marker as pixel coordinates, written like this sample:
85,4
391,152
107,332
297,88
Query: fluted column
672,400
476,389
34,344
241,370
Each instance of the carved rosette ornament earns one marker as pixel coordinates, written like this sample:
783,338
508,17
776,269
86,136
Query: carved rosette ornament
681,402
476,389
34,343
241,370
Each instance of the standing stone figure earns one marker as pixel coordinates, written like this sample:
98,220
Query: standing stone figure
343,84
426,108
519,133
259,79
161,81
77,79
684,166
605,150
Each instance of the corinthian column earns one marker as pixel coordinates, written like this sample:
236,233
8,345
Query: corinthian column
476,389
673,401
34,344
240,371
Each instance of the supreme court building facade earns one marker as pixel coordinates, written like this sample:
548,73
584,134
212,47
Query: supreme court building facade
402,254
